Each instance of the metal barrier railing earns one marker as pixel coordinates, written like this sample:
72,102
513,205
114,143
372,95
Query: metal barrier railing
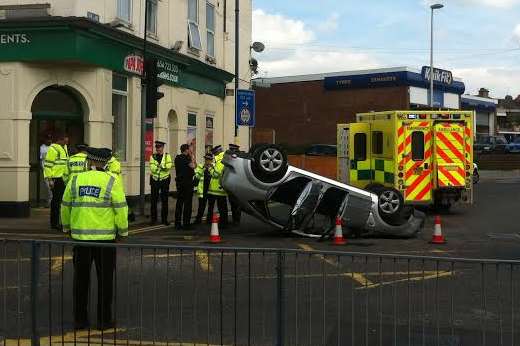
172,295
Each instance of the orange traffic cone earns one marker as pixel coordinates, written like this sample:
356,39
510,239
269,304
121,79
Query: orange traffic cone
338,233
214,236
438,238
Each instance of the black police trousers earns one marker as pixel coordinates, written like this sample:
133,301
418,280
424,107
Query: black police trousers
222,208
184,205
159,188
57,195
105,261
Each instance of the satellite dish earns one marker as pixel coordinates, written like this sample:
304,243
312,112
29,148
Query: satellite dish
258,47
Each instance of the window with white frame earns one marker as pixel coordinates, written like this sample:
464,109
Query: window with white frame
210,29
151,24
120,113
194,41
124,10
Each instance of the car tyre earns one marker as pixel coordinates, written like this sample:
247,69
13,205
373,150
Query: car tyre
391,205
269,162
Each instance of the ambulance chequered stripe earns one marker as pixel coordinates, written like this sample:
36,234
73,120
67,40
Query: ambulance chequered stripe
450,146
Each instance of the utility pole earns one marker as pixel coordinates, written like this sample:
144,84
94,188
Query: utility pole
143,118
433,8
237,46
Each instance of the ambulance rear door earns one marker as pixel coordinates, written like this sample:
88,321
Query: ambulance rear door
418,161
450,154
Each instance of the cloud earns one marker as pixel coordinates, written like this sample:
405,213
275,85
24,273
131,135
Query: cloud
516,33
291,48
276,30
330,24
500,81
307,61
505,4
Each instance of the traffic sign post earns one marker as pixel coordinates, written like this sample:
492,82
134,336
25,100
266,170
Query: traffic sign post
245,108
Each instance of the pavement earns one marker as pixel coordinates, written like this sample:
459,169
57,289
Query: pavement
211,294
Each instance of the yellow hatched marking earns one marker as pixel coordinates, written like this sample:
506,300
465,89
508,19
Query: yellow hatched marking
428,275
203,259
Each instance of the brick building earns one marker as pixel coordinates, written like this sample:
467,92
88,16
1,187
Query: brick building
304,110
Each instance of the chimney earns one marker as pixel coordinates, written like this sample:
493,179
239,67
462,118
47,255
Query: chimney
483,92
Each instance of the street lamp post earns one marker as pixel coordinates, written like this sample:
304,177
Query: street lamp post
433,7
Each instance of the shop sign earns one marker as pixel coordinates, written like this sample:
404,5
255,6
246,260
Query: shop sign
168,72
439,76
14,39
148,139
134,64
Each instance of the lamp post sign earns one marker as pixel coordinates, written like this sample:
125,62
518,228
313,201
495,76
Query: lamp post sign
245,108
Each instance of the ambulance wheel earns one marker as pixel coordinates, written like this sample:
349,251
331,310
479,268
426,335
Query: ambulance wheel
269,163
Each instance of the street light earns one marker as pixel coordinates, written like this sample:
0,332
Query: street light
433,7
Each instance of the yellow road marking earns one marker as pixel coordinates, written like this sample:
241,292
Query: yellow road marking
203,259
33,235
58,262
358,277
416,278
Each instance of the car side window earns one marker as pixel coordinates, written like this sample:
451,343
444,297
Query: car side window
360,147
417,146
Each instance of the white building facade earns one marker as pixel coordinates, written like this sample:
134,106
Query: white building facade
74,66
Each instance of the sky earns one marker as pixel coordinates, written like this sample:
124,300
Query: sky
478,40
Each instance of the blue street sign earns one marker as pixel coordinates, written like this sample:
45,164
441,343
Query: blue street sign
245,110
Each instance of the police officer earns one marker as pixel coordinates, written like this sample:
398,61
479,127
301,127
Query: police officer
236,212
216,193
94,209
54,170
203,176
77,163
160,166
184,168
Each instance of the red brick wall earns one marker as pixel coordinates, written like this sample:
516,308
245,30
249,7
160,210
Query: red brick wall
305,113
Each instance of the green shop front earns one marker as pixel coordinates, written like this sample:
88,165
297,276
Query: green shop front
83,78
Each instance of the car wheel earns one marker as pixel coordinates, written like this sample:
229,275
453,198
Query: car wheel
391,204
269,163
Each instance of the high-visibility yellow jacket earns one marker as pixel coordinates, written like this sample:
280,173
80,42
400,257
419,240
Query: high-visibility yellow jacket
160,170
76,164
55,165
199,175
114,166
94,207
215,188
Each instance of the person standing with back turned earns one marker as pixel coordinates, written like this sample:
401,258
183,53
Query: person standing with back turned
55,168
216,192
94,209
184,168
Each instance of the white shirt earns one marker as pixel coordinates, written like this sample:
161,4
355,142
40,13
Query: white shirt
44,148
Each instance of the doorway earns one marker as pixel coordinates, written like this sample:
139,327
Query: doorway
54,109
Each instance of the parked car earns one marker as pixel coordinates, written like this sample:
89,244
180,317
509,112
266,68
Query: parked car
295,200
321,150
490,144
513,147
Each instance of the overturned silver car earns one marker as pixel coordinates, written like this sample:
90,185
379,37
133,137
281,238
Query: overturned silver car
295,200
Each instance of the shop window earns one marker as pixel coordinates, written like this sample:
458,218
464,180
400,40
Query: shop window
360,147
210,29
377,142
417,146
124,8
151,25
208,140
120,113
191,135
194,41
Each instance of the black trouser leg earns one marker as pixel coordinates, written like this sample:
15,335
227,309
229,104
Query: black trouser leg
154,197
211,207
178,205
82,262
57,195
202,207
188,205
165,190
222,210
105,260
